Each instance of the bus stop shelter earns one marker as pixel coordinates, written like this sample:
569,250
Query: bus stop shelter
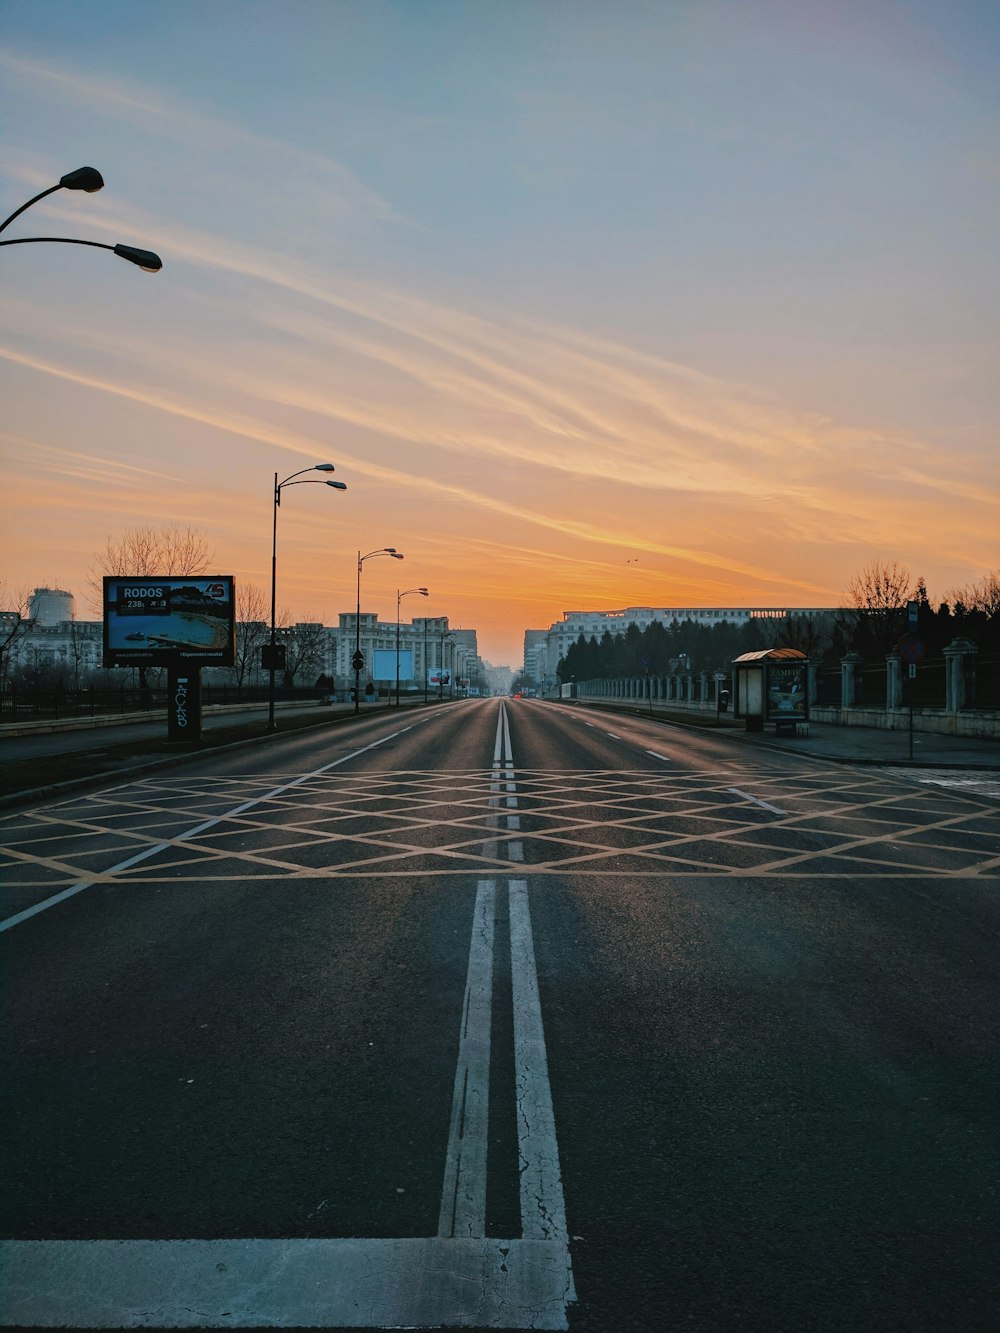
772,686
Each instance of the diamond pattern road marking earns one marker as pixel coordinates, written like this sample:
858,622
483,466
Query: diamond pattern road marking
580,822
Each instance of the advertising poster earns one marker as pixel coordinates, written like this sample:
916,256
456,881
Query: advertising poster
786,692
439,677
168,621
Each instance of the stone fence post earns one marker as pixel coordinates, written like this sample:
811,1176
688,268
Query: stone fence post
849,679
893,681
959,678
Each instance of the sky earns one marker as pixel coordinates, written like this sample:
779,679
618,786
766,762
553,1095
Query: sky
591,304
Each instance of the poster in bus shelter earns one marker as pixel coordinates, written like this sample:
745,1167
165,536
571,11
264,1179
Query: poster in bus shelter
167,621
787,694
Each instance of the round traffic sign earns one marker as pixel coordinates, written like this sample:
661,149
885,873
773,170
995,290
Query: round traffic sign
910,648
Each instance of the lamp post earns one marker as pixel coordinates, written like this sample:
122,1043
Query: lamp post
278,488
358,659
444,636
90,180
399,598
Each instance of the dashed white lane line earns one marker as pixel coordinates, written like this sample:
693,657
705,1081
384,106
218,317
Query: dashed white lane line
754,800
656,755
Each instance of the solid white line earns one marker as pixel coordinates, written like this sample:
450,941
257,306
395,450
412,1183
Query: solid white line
543,1209
404,1283
147,852
664,757
756,801
463,1194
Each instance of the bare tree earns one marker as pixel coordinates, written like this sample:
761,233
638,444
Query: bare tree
303,648
146,551
878,597
984,595
15,623
253,630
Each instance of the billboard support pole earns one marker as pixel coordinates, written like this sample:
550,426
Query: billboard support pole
184,705
274,580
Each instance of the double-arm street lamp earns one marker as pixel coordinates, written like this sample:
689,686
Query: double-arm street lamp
279,486
359,661
90,180
399,598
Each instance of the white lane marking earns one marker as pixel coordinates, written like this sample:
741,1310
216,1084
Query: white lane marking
147,852
515,851
463,1195
656,755
543,1209
404,1283
613,734
514,822
754,800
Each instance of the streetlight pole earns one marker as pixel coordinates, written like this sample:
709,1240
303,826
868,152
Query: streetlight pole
358,660
278,488
399,598
444,636
90,180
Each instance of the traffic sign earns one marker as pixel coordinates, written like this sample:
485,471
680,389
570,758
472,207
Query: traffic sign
910,648
358,662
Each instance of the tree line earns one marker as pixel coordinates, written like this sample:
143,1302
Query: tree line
871,622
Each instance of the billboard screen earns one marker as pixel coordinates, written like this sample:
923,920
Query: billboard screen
438,676
384,664
172,620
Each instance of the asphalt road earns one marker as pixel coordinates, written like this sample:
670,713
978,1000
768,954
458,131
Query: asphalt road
504,1015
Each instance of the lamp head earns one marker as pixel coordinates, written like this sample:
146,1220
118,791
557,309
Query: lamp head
396,555
84,178
338,485
324,467
145,259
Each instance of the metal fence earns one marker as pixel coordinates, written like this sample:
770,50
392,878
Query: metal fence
927,688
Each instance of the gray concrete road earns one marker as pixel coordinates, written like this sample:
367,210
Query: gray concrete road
503,1015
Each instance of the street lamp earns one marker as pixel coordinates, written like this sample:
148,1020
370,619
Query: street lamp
359,661
279,486
90,180
399,598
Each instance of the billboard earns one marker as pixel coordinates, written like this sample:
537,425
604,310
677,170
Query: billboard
384,664
438,676
170,621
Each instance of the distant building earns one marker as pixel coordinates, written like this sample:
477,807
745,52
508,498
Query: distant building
51,606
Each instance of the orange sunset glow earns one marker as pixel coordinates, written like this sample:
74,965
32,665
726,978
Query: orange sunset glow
667,344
